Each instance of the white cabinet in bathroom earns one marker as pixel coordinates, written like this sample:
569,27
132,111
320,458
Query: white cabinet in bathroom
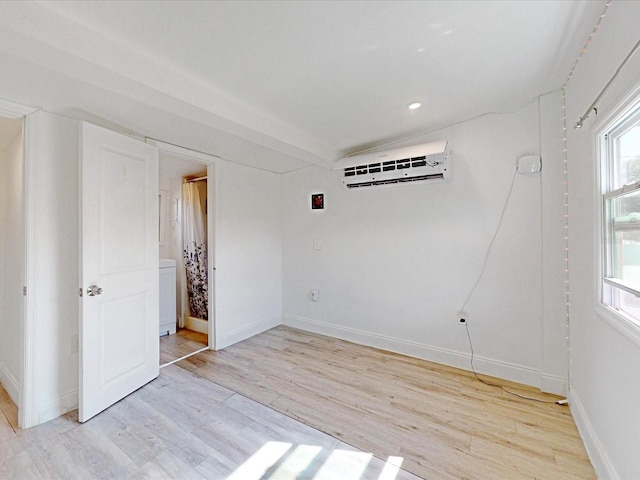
167,296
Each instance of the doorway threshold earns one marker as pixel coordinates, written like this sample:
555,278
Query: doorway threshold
183,357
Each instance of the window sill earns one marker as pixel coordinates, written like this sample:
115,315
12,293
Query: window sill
626,327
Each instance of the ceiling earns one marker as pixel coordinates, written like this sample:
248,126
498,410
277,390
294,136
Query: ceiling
281,84
172,167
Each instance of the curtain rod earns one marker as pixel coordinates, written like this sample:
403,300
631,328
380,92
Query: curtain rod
197,179
581,120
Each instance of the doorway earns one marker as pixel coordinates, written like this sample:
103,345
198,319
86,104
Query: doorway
12,268
186,307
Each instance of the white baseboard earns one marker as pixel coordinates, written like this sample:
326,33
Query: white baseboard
553,384
59,406
10,384
247,331
196,324
597,454
487,366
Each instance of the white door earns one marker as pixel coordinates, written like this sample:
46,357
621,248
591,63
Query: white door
119,348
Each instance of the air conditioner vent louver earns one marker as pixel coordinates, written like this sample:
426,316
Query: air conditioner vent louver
437,176
411,164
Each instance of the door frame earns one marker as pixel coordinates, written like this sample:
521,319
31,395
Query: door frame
209,161
27,409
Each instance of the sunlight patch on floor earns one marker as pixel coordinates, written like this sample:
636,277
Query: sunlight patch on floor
295,464
342,462
258,464
391,468
282,461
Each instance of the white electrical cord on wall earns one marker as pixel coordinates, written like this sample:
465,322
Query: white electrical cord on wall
493,239
473,289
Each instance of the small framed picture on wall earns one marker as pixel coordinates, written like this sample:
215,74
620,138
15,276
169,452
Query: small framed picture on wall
317,201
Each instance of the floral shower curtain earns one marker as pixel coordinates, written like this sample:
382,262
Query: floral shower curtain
195,252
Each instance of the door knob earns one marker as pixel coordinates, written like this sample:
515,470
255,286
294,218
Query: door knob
94,290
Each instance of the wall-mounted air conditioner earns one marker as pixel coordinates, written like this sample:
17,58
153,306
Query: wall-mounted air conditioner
418,163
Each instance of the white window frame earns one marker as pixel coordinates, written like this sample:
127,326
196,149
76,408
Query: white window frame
627,112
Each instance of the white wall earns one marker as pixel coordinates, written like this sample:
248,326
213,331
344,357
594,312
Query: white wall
172,247
166,185
52,265
396,263
555,355
3,230
248,252
11,267
604,361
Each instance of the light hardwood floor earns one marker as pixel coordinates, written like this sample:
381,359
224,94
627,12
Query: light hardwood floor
8,415
289,404
181,426
441,421
181,343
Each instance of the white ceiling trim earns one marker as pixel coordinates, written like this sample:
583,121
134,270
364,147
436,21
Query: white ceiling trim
13,110
34,33
181,152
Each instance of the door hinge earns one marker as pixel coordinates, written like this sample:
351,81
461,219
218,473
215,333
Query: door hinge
80,292
24,291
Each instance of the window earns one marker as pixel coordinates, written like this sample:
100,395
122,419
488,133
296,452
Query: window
620,181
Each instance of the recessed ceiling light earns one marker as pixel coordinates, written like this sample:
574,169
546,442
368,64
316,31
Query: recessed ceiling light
414,106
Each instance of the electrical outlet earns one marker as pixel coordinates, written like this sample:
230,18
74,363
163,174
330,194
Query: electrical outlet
75,344
462,318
